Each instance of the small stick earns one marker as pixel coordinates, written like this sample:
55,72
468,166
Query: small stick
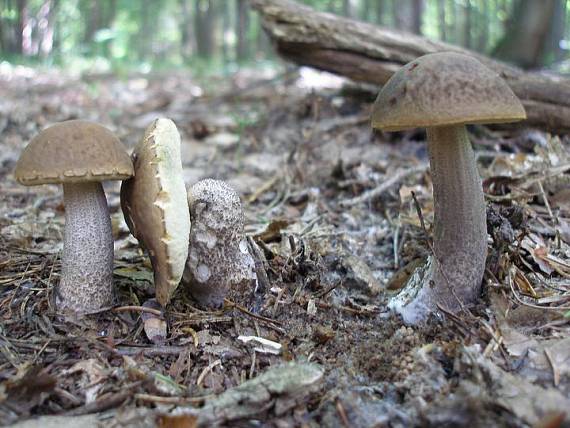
180,401
156,312
251,314
207,370
377,191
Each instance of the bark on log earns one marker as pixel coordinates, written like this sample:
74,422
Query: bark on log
368,53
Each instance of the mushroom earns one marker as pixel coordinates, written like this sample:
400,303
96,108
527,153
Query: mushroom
155,205
442,92
80,155
218,257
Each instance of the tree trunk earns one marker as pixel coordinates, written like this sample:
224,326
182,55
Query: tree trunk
368,53
524,40
408,15
226,13
417,14
467,24
242,46
452,33
380,9
144,38
331,6
185,28
23,25
348,8
108,20
262,41
46,17
365,10
442,23
556,33
93,17
483,38
203,22
4,45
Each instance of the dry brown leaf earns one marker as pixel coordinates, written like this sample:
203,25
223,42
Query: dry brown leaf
538,250
155,327
177,421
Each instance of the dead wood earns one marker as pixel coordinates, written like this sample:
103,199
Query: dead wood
368,53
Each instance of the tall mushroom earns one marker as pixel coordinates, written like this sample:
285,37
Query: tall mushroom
155,205
80,155
442,92
218,258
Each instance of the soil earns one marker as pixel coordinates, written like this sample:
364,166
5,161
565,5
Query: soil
329,255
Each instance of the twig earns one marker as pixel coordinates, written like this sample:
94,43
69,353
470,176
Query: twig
207,370
259,262
156,312
106,402
149,351
530,305
459,322
178,401
342,413
251,314
377,191
555,371
546,203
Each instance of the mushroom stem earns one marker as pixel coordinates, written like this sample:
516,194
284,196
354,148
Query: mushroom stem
460,229
87,267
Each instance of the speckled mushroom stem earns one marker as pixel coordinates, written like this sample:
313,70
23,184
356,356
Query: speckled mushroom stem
87,267
460,231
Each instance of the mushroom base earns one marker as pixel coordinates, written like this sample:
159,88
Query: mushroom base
414,303
87,264
211,272
452,277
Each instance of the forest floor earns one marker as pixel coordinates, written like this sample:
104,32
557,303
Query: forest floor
332,209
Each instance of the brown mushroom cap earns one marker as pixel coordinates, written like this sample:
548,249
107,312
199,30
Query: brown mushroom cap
155,205
444,89
74,151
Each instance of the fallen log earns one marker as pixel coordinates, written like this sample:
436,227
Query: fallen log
369,53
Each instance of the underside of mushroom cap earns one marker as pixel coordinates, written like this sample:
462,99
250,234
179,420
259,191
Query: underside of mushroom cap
155,205
442,89
74,151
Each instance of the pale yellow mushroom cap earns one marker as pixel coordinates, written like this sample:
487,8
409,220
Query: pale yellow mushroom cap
444,89
155,205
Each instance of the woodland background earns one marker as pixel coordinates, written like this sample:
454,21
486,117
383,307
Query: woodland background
217,35
338,217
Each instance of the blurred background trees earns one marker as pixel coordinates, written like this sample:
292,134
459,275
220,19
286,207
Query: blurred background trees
167,33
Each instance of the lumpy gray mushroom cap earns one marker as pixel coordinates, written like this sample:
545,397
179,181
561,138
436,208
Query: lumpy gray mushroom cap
225,213
218,257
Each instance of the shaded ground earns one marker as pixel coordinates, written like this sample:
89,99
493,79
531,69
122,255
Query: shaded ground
304,161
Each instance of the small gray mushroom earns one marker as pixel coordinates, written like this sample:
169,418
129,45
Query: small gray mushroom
218,255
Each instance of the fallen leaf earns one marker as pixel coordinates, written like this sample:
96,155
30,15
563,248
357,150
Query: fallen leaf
155,327
177,421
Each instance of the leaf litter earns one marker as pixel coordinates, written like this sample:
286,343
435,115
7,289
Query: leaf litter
332,219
